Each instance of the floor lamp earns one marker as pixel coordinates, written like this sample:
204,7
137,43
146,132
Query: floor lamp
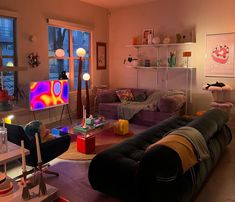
86,78
81,52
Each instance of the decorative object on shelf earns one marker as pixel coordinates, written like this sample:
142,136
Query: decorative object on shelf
178,38
41,183
159,63
86,78
131,61
187,54
147,36
33,60
172,59
147,63
101,55
166,40
156,40
135,40
81,52
220,55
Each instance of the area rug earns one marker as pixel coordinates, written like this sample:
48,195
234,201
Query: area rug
103,140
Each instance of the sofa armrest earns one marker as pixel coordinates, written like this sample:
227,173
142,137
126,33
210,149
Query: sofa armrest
158,172
106,96
172,103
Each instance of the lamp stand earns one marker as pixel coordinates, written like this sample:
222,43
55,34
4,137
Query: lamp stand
79,90
87,100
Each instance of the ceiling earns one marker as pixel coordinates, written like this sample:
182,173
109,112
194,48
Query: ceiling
109,4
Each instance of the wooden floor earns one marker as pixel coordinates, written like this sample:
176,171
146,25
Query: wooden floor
74,185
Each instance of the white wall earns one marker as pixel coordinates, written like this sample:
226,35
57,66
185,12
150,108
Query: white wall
31,20
169,17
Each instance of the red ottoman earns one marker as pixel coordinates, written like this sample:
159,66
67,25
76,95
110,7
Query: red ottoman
86,144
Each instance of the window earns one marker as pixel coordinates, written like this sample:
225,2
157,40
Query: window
8,52
69,40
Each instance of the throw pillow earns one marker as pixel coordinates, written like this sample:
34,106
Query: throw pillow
140,97
125,95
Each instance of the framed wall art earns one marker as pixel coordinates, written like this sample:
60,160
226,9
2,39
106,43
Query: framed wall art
146,33
220,55
101,55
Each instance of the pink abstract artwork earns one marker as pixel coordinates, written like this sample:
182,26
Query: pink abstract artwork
220,55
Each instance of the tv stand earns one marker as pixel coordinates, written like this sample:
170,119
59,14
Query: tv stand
61,115
67,106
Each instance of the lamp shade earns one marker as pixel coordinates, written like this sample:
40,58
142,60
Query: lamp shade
59,52
187,54
86,77
81,52
10,64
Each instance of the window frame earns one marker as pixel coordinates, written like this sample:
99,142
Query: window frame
71,59
13,16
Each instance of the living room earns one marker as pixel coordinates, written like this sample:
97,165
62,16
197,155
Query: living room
119,27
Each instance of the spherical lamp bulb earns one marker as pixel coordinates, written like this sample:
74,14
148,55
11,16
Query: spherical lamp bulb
86,77
81,52
59,52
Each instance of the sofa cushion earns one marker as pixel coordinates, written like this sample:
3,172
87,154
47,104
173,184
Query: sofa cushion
172,103
140,95
125,95
106,96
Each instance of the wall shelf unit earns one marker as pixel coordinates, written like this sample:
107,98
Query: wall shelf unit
165,77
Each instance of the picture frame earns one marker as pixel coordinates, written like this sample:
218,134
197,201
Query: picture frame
146,32
220,56
101,55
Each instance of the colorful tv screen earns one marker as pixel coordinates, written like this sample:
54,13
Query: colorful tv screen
47,94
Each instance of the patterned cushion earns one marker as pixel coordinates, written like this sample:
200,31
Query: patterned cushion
125,95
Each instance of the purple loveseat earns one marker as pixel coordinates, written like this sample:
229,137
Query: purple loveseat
166,106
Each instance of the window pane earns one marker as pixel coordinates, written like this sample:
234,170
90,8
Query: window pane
8,81
56,67
7,47
85,69
81,40
58,38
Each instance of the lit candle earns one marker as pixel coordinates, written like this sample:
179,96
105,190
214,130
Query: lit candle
23,156
38,149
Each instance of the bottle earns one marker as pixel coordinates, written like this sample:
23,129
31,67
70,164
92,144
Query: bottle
150,37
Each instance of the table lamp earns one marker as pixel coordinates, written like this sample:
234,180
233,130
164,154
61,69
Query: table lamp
81,52
187,54
8,118
86,77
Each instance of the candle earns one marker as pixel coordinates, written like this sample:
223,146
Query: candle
83,111
23,156
3,123
38,149
84,126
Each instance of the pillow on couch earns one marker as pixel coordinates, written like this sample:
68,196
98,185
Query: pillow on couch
106,96
171,103
140,95
125,95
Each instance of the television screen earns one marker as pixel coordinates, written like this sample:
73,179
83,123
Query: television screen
46,94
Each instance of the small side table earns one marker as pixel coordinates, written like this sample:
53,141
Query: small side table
13,153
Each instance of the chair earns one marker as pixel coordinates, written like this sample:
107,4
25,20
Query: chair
49,150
